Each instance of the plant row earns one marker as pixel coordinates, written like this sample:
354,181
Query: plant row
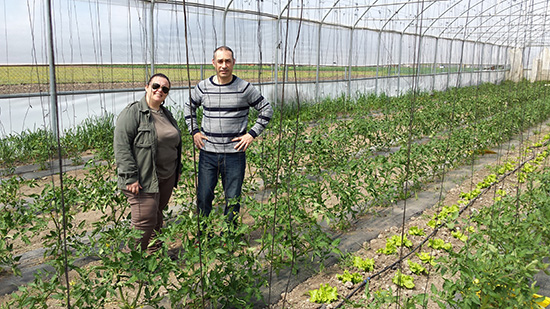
504,245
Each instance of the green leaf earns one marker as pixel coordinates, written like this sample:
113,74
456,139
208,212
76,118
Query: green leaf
324,295
459,235
389,249
426,258
415,230
417,268
349,277
439,244
403,280
365,265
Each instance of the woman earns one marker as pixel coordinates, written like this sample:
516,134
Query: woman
147,145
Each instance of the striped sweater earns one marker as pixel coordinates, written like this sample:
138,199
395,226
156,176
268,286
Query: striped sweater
225,112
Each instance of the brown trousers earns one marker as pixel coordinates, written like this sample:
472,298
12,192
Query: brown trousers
146,209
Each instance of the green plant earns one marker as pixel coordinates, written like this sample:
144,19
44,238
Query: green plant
496,267
390,248
417,268
459,235
439,244
17,221
321,162
403,280
366,264
415,230
324,294
426,258
349,277
380,297
401,241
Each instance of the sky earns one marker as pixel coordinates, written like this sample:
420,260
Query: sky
117,32
112,31
94,32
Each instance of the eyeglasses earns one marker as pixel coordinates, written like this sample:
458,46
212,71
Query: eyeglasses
156,86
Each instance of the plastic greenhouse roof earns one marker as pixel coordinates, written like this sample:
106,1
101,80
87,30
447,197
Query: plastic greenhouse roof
510,22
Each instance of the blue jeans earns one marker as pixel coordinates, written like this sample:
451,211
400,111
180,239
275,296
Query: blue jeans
231,167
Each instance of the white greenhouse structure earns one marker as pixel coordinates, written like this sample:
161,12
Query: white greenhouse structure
397,154
351,47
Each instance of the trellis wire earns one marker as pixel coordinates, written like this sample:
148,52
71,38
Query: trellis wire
280,133
194,162
55,118
294,146
417,59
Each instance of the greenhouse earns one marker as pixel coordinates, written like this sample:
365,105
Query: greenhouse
396,154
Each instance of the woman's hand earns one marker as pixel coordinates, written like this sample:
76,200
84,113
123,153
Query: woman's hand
134,187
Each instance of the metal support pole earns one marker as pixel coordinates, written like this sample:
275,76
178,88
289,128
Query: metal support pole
497,62
416,83
491,61
277,52
449,65
460,66
482,63
378,61
224,24
434,63
152,37
400,58
351,47
350,60
319,49
318,62
51,60
55,130
506,61
474,65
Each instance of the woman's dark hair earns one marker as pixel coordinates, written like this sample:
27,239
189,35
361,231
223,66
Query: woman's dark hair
159,75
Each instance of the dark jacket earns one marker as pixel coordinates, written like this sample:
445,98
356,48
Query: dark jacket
135,146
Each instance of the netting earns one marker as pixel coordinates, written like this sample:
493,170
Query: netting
403,132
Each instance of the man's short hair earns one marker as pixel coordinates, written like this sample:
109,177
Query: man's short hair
223,47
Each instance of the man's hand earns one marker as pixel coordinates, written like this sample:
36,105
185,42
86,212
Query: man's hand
197,140
134,187
244,141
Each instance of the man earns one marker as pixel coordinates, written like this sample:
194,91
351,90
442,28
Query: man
222,137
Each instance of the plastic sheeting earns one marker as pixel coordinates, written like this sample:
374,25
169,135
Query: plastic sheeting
541,66
516,64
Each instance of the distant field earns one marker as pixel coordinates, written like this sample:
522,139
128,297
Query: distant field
35,78
27,74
